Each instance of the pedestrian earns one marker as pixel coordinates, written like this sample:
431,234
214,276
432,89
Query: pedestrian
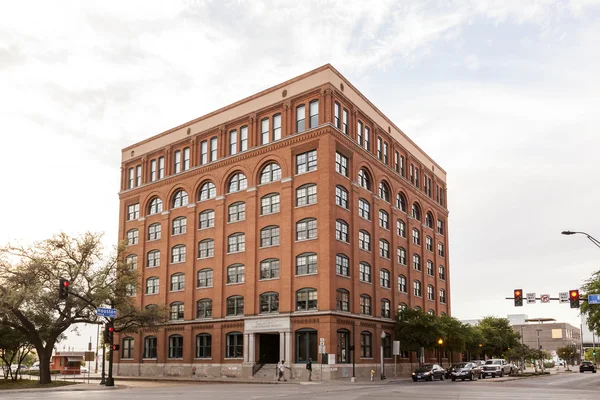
282,368
309,369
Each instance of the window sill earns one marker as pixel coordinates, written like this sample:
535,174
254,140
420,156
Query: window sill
205,228
306,172
150,359
366,251
306,240
368,283
152,266
204,258
153,240
342,207
234,283
268,279
151,294
132,244
363,218
309,274
343,276
127,359
236,221
306,205
266,247
271,213
386,288
175,358
236,252
178,233
177,262
342,241
234,358
204,287
178,290
203,318
203,359
307,311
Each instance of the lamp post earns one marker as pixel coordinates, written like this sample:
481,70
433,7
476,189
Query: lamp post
440,343
480,348
592,239
382,362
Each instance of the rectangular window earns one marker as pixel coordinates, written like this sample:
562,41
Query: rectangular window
161,167
203,152
341,164
269,204
186,159
345,121
300,116
150,347
177,162
133,212
306,162
138,175
232,142
341,197
367,139
336,115
416,177
277,127
131,180
152,170
359,134
385,153
366,345
243,138
213,149
412,174
342,265
397,161
401,256
306,195
364,272
313,110
379,149
440,227
402,165
207,219
264,131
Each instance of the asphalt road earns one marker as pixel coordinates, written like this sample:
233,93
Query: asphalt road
555,387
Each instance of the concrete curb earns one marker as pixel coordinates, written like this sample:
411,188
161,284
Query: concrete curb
78,387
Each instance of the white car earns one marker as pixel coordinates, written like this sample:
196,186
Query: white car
496,367
83,370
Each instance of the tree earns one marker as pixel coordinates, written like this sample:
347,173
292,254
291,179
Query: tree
14,349
592,313
589,355
29,297
499,335
454,334
567,353
417,330
474,341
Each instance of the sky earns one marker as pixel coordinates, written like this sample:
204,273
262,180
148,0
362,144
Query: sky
504,95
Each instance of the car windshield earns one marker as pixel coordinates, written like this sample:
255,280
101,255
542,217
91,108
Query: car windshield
424,368
464,365
490,362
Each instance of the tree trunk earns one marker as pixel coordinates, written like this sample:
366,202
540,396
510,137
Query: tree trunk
44,355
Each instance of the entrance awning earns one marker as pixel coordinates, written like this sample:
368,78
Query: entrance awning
75,359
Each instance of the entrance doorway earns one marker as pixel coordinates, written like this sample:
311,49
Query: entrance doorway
268,347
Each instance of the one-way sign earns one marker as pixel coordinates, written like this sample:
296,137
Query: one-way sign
106,312
563,297
530,298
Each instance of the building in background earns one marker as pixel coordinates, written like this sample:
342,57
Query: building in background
296,220
549,335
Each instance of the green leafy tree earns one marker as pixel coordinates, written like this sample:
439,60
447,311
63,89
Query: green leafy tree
14,349
589,355
417,330
592,313
454,334
567,353
474,341
499,335
29,298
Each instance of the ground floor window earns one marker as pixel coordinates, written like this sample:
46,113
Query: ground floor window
343,353
306,345
203,345
150,347
176,346
387,346
366,345
127,349
234,345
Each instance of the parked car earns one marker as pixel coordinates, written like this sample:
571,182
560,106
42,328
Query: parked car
587,366
495,367
464,371
429,372
449,370
83,370
22,368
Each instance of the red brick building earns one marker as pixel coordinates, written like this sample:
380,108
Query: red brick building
296,215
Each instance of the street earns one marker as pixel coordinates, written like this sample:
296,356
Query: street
558,386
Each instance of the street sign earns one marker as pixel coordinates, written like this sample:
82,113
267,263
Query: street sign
593,299
396,347
322,340
322,349
545,298
106,312
530,298
563,297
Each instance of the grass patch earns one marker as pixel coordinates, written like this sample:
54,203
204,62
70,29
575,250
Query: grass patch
7,384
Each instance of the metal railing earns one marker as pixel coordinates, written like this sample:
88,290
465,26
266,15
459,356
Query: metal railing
259,364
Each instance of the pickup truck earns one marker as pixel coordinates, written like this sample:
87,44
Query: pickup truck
496,367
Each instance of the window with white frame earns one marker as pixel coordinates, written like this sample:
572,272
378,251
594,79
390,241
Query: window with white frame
207,191
155,206
401,256
206,219
161,167
313,109
429,243
417,288
442,272
364,179
341,164
384,219
429,267
384,191
416,236
180,199
237,182
232,142
203,152
441,249
213,149
401,202
401,228
384,248
236,243
306,229
186,159
306,195
300,118
417,262
276,135
442,296
264,131
243,138
270,173
430,292
177,162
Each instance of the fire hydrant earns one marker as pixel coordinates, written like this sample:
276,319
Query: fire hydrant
372,375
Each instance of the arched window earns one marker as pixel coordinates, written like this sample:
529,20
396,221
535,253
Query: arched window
429,243
343,341
401,228
203,345
177,282
402,307
429,267
269,269
364,240
442,296
127,348
153,259
176,311
178,254
306,195
152,285
417,308
207,191
342,265
429,220
234,345
269,303
206,248
155,206
235,273
384,248
306,263
235,305
364,179
401,202
364,272
179,226
175,346
306,299
206,219
341,230
270,204
204,308
205,278
271,172
306,345
416,211
366,344
430,292
154,231
343,300
364,209
401,256
300,118
417,288
131,261
269,236
417,262
431,312
384,219
306,229
442,272
237,212
132,237
416,236
341,197
384,278
442,313
402,284
150,347
237,182
385,308
365,304
384,191
180,199
236,243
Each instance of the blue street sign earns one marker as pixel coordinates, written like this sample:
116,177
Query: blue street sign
593,298
106,312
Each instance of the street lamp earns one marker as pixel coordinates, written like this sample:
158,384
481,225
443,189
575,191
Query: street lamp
592,239
440,343
382,362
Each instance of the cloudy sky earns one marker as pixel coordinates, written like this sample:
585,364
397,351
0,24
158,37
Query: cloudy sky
504,95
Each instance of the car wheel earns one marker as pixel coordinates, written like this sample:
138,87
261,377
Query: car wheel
581,372
453,379
414,379
462,380
441,377
430,378
472,376
482,376
501,374
594,371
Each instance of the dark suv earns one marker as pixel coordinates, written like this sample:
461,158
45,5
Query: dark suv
587,366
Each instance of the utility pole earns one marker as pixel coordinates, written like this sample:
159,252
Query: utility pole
97,342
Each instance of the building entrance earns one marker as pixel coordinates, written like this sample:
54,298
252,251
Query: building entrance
268,348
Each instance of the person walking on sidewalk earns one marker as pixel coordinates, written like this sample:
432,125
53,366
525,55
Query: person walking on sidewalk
282,368
309,369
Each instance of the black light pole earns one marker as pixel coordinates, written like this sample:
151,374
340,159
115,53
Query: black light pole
103,380
592,239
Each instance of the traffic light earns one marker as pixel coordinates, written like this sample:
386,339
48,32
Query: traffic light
574,298
63,289
109,331
115,347
518,297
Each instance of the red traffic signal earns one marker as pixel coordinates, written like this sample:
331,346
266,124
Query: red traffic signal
115,347
111,329
574,298
63,289
518,296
